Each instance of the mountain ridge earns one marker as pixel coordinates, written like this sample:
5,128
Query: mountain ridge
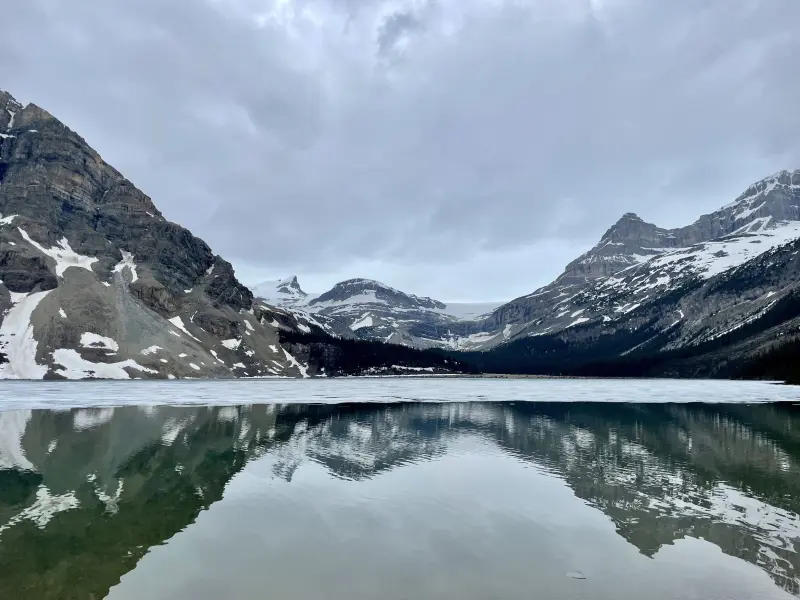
96,283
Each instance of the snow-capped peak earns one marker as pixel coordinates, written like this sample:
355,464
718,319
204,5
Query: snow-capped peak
782,180
281,292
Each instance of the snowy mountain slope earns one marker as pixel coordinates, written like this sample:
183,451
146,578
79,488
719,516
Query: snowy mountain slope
636,263
94,282
727,325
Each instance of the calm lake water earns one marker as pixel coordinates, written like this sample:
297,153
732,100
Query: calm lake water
298,494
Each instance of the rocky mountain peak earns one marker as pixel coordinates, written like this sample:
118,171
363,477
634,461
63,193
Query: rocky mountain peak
631,228
370,291
290,286
629,241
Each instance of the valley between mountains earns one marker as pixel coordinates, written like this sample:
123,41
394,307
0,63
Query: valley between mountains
96,283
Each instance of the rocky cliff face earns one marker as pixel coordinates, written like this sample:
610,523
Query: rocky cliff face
96,282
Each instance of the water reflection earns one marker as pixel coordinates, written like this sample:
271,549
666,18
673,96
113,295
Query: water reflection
85,493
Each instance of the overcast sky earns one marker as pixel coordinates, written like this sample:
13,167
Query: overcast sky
460,149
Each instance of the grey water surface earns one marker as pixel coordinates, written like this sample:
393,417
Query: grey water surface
305,493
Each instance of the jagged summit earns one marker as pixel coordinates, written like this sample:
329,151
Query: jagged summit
291,286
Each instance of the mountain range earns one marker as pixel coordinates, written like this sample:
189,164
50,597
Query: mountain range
95,282
726,286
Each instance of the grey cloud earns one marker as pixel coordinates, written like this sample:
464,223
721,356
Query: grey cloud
393,28
509,128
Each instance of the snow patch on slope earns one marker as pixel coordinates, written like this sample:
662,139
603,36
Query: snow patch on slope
18,343
76,367
94,340
178,322
127,263
63,254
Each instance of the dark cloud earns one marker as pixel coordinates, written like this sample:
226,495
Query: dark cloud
393,28
509,136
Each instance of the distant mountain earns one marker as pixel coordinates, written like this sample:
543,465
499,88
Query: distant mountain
371,310
95,282
282,292
636,262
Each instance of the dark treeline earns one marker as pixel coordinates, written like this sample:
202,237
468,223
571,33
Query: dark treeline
339,356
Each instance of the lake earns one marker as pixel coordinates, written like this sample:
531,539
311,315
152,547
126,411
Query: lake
384,488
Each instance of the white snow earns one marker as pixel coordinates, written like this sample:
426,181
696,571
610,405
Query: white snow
76,367
178,322
62,313
210,270
746,212
94,340
194,366
304,328
368,297
151,350
189,291
470,311
577,322
232,344
127,262
182,355
17,297
111,502
239,365
88,418
417,369
249,325
7,220
364,321
507,331
13,424
293,361
712,258
12,115
273,348
63,254
470,341
44,508
171,430
18,343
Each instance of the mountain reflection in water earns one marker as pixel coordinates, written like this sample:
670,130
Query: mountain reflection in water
85,494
